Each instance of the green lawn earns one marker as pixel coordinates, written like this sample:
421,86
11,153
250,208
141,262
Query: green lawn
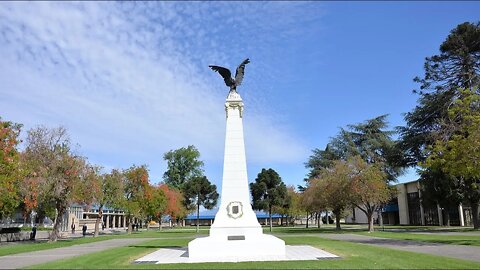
20,247
353,256
189,232
323,229
469,240
415,228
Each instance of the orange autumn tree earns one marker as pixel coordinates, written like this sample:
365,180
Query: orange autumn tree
58,168
29,191
155,205
9,167
175,207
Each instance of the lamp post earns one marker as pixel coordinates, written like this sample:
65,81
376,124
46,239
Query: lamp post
267,198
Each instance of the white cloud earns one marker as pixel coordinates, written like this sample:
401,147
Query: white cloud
130,79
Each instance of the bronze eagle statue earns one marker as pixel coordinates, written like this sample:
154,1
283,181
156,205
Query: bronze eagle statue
227,75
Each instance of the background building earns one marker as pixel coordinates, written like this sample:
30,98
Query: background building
407,209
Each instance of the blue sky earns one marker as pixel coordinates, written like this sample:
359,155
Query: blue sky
131,81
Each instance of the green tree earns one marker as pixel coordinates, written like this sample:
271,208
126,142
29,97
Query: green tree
313,199
457,65
319,160
102,190
183,165
284,209
455,68
368,187
439,188
332,189
136,190
200,192
370,140
373,143
456,152
50,156
295,208
268,191
9,167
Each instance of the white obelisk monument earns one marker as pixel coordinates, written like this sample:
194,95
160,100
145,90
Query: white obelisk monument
235,231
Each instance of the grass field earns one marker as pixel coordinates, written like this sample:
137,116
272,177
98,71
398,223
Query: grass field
353,256
280,231
469,240
35,246
20,247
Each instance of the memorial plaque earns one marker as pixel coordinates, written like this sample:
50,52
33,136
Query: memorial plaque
236,237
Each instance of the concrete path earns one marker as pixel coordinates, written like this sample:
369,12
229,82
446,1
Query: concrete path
43,256
471,253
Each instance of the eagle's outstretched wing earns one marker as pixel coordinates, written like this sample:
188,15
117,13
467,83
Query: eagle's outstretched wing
240,71
226,74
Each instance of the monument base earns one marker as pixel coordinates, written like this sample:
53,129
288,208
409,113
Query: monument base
236,246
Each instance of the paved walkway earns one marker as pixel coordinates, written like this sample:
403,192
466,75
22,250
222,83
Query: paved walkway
43,256
471,253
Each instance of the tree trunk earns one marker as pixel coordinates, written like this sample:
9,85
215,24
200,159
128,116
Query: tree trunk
327,217
41,218
270,217
198,217
447,217
97,222
130,227
337,219
474,206
370,221
380,216
319,219
307,219
55,234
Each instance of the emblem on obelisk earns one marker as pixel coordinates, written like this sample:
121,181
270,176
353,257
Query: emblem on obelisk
235,209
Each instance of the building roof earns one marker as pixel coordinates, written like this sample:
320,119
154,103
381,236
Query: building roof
408,182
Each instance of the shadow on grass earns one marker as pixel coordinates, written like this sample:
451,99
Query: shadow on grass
314,230
427,229
449,242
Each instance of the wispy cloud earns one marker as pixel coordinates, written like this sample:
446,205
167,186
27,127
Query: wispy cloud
130,80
